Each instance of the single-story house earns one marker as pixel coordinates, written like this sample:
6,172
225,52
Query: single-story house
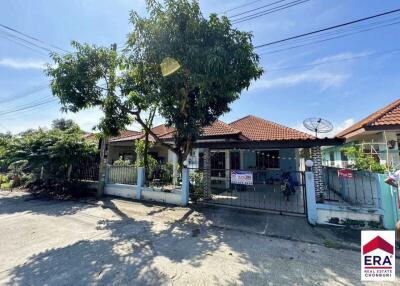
265,149
378,134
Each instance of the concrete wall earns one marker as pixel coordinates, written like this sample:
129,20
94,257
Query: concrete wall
121,190
345,215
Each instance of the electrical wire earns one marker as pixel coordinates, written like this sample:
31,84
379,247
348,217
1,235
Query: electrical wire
376,54
328,39
32,38
269,11
240,6
255,9
328,28
21,95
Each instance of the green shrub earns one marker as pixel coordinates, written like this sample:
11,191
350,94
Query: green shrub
6,186
121,162
196,185
4,179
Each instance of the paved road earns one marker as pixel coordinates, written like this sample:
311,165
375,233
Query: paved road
69,243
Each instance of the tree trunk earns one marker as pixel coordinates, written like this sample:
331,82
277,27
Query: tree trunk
145,155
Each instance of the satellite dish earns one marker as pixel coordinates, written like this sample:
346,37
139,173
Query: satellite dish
318,125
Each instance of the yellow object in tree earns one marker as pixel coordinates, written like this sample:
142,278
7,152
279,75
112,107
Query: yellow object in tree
169,66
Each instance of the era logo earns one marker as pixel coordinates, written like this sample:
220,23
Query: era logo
377,255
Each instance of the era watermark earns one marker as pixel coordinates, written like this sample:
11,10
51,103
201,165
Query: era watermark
378,255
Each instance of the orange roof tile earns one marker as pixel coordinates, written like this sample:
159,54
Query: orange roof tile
218,128
124,135
258,129
386,116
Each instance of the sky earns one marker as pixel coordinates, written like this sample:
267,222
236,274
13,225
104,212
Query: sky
341,80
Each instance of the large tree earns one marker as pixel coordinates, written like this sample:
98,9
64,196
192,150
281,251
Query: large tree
186,66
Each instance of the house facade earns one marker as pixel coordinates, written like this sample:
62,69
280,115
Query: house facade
378,134
249,129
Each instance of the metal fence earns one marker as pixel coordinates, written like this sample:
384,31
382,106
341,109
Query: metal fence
360,189
162,176
121,175
86,169
265,191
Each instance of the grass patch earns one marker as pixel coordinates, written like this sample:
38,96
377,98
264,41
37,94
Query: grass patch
329,243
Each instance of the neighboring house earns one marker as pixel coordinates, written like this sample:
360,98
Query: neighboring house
378,134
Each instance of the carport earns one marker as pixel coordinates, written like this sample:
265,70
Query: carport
267,163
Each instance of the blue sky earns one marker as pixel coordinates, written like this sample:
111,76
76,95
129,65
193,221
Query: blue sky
332,86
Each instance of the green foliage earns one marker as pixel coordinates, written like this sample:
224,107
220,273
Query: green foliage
7,186
363,161
87,78
46,156
140,151
212,63
216,62
196,185
164,172
63,124
121,162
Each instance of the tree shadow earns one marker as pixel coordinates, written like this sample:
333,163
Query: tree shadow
26,203
135,251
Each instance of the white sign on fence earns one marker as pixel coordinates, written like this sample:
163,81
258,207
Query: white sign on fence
242,177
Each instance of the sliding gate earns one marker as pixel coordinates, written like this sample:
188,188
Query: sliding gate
257,189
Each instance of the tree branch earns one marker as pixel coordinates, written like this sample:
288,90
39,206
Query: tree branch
158,140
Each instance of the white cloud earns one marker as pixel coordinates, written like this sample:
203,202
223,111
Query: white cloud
323,78
337,127
15,63
341,57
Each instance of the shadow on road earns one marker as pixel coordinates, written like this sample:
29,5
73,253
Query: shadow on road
145,252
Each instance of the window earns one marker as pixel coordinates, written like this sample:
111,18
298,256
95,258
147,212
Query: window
343,156
201,160
235,160
218,164
267,159
332,158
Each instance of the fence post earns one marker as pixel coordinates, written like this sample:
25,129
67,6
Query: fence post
185,186
311,200
139,182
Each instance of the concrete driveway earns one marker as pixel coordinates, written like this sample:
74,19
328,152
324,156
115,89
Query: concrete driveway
128,243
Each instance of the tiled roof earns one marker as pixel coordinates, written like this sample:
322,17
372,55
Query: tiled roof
386,116
248,128
125,134
162,129
218,128
258,129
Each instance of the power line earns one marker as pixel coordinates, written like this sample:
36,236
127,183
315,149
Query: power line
255,9
23,45
240,6
335,61
30,43
269,11
32,38
357,27
329,39
28,107
328,28
21,95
